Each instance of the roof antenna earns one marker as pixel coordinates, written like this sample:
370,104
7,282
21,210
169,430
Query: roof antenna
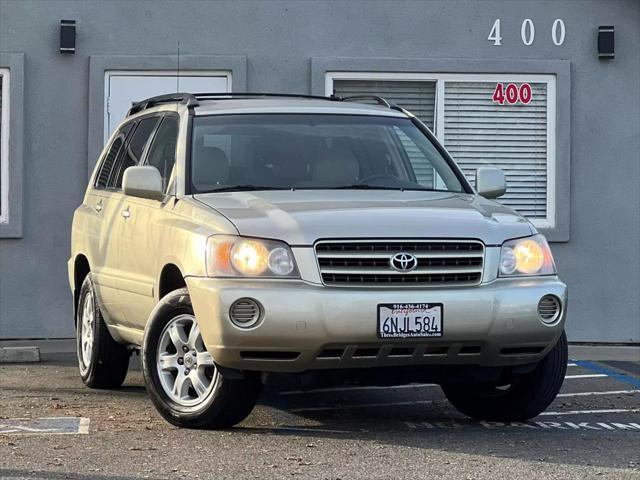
178,71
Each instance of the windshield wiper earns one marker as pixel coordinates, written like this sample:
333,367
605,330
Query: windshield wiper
363,186
245,188
366,186
355,186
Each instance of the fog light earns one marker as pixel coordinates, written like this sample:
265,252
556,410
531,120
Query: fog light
549,309
245,312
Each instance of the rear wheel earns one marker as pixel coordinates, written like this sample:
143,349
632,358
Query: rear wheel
102,361
181,377
524,397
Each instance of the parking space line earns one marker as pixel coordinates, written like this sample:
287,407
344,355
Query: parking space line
587,394
589,375
83,426
591,412
594,367
576,425
572,364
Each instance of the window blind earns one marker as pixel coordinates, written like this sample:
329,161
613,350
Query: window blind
479,132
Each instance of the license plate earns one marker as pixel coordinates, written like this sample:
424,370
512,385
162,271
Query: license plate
410,320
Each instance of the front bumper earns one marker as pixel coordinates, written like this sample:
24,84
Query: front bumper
308,326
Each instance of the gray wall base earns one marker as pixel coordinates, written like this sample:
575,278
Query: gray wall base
19,354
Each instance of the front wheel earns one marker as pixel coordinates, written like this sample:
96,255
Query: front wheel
521,398
181,377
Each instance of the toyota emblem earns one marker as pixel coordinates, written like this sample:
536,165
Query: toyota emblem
403,262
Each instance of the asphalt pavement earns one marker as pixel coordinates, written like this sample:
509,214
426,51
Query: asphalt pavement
51,426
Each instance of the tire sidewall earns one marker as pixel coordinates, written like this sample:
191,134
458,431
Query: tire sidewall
530,396
85,290
174,304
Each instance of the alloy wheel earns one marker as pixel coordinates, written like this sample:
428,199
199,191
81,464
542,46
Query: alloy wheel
87,324
186,370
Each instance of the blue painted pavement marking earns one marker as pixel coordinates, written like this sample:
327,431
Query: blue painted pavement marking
623,377
47,426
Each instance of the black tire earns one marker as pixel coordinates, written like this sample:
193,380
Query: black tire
527,396
107,364
228,403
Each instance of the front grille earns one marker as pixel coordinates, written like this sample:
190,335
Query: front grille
439,262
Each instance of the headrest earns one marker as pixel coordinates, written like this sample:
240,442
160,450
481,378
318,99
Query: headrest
210,165
280,164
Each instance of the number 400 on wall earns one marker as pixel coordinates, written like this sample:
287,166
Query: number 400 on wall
528,32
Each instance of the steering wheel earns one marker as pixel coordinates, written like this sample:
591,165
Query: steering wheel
377,176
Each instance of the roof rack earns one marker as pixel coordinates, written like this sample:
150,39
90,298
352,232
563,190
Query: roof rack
379,100
192,99
223,95
186,98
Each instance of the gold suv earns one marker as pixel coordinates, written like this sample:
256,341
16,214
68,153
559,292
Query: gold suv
233,236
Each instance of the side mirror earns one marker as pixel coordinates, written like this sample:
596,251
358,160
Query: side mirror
143,182
490,182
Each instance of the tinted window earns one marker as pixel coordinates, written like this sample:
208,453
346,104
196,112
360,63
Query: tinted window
110,159
282,151
162,153
132,153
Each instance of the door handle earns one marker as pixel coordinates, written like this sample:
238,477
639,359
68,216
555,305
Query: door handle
99,206
126,213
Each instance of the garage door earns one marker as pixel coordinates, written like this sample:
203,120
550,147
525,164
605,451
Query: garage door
124,88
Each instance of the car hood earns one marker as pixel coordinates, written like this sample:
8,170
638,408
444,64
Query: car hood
300,217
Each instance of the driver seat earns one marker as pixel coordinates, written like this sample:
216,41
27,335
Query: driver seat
337,166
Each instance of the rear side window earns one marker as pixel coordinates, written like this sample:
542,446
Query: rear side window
162,153
107,168
132,153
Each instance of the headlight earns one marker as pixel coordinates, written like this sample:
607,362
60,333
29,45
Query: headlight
526,256
249,257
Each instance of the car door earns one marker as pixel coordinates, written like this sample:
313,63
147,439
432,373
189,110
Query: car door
141,245
103,201
136,278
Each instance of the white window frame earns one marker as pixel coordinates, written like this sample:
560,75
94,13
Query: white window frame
157,73
441,78
4,146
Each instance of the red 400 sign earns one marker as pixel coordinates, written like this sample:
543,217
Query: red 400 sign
510,93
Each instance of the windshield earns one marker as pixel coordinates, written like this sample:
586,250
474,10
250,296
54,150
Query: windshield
315,151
